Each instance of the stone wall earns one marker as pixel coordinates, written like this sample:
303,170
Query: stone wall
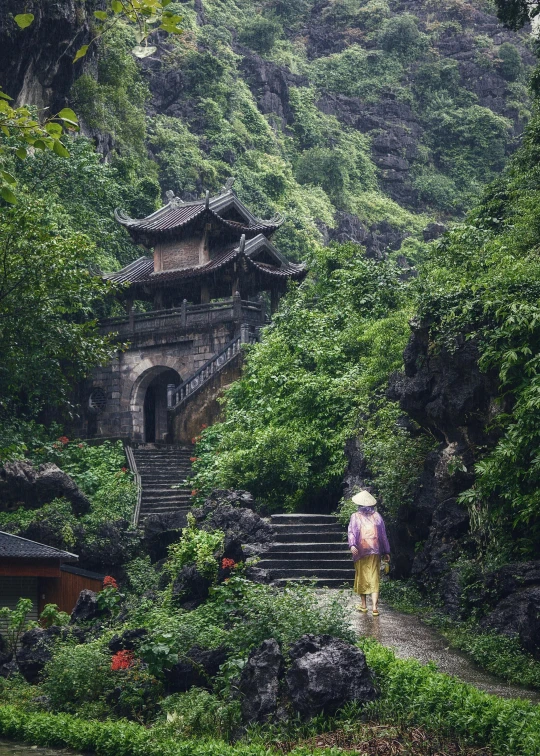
177,254
204,408
125,379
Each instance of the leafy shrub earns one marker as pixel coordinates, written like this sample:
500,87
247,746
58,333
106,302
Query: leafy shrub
260,33
199,713
78,675
196,546
510,64
400,34
253,612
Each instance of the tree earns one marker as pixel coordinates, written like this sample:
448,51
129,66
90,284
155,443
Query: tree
48,335
517,13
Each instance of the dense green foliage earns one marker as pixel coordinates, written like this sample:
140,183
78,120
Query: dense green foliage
324,358
483,280
411,695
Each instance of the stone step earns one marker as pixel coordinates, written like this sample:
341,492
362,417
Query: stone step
287,548
335,583
166,488
307,528
322,537
308,556
167,494
315,573
300,519
305,565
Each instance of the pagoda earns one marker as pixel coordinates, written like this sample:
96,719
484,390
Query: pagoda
211,261
204,250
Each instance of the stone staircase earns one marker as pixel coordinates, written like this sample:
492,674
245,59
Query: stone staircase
160,467
311,547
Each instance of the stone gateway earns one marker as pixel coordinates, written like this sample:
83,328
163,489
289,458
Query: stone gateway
189,308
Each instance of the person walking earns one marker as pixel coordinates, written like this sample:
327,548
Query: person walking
368,543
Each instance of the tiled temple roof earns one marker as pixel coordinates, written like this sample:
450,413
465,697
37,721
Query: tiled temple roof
15,547
141,271
177,214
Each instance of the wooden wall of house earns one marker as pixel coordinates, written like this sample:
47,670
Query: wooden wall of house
64,591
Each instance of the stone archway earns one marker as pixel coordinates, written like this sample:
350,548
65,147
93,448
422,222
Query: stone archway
148,404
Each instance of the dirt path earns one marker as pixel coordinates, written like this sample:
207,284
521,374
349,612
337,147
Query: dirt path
410,638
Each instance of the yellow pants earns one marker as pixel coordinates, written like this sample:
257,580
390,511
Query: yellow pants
367,574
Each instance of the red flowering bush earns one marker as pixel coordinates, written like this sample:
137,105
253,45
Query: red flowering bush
193,459
122,660
109,582
194,492
228,563
63,440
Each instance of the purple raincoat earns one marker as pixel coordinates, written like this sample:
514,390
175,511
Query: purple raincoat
367,533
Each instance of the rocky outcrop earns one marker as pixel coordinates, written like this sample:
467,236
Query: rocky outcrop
270,84
37,62
128,641
86,607
21,484
196,668
112,545
36,649
446,394
190,588
160,530
326,673
227,511
259,683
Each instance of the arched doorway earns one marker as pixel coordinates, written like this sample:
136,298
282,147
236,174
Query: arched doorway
155,404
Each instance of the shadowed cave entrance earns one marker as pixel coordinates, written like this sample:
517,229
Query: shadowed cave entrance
155,405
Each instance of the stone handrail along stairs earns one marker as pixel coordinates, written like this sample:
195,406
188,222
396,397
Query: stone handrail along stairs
180,395
309,547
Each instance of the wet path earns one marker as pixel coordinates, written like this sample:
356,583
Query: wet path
19,749
410,638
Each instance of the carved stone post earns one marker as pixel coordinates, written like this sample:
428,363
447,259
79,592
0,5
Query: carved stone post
244,334
170,395
237,306
183,315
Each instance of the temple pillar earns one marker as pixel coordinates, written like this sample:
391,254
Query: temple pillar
158,300
205,294
274,300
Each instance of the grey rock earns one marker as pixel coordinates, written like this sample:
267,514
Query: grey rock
239,523
433,231
518,615
36,650
160,531
326,673
196,669
86,607
128,641
259,683
20,483
190,588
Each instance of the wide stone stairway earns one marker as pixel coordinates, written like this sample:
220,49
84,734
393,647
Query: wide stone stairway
161,467
311,547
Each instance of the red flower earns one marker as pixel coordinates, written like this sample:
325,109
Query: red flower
195,492
109,582
122,660
203,426
81,446
124,469
194,440
193,459
228,563
63,440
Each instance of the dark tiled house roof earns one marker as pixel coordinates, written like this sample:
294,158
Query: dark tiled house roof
177,214
141,271
15,547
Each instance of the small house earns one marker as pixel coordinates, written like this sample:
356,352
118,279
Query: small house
41,573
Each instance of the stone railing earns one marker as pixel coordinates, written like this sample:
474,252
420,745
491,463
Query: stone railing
178,395
188,316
